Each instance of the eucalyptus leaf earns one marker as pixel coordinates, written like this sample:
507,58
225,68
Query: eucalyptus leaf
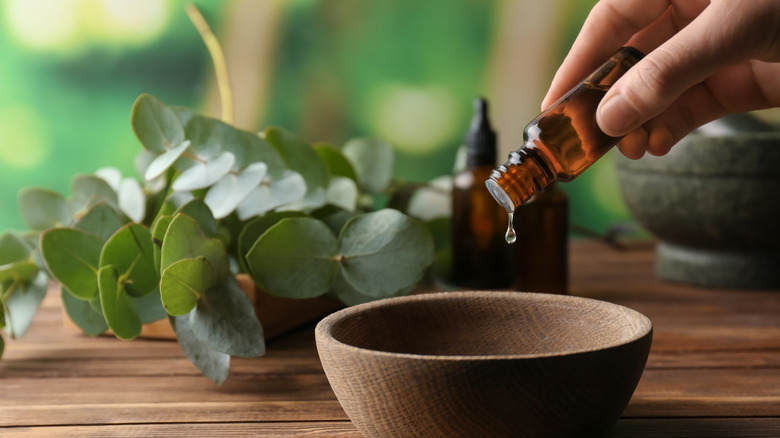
334,217
118,307
129,251
254,229
111,175
159,228
296,258
213,364
13,248
337,163
224,196
225,320
198,210
42,209
434,201
348,295
185,239
184,282
373,163
131,199
21,271
204,174
23,302
342,192
90,321
156,125
89,190
299,156
269,196
163,162
385,252
150,308
72,257
101,220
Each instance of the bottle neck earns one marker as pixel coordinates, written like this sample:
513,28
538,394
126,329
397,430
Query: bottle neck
516,181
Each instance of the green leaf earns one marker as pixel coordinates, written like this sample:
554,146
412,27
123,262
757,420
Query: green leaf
385,252
131,199
254,229
42,209
334,217
150,308
224,196
213,364
159,228
2,312
23,302
373,163
225,320
266,197
156,125
129,251
89,190
342,192
204,174
198,210
184,283
296,258
13,248
72,257
118,307
337,163
101,220
299,156
347,294
163,162
185,240
90,321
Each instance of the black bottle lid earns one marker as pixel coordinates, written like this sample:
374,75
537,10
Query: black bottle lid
480,138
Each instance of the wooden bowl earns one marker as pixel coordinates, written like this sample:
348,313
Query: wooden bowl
484,364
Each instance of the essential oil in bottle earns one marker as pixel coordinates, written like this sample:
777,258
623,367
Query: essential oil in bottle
563,141
541,257
480,258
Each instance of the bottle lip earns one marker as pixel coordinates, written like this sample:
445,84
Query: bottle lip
500,195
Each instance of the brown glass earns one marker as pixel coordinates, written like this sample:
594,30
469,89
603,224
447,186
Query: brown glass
481,257
564,140
541,257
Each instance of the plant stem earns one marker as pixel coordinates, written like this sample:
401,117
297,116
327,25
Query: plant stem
217,57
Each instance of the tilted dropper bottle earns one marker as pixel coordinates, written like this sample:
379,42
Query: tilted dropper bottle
561,142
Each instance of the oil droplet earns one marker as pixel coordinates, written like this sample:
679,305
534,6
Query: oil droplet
510,235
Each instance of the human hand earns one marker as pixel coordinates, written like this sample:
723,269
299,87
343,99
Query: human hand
705,59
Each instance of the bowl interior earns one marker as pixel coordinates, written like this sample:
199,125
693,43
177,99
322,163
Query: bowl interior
487,324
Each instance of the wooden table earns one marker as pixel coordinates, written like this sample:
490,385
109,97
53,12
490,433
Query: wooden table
714,370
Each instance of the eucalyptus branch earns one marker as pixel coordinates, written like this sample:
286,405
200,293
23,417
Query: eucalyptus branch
218,57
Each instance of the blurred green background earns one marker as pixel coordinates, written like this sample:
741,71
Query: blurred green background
405,71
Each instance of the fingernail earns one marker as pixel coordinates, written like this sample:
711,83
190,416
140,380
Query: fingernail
616,116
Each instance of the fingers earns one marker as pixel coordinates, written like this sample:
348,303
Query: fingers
688,58
610,24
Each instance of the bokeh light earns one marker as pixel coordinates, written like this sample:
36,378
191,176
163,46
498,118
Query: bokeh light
414,119
43,24
24,143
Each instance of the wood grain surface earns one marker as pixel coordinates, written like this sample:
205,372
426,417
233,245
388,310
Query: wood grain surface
713,370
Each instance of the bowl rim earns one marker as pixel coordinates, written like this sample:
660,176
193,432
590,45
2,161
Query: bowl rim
323,330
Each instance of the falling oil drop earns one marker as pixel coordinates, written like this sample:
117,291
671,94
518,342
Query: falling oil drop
510,235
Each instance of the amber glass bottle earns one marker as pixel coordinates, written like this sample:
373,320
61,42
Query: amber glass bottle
480,257
541,258
564,140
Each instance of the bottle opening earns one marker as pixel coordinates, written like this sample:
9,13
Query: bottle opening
500,195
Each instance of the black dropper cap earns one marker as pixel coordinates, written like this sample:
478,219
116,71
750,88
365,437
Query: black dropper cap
480,138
